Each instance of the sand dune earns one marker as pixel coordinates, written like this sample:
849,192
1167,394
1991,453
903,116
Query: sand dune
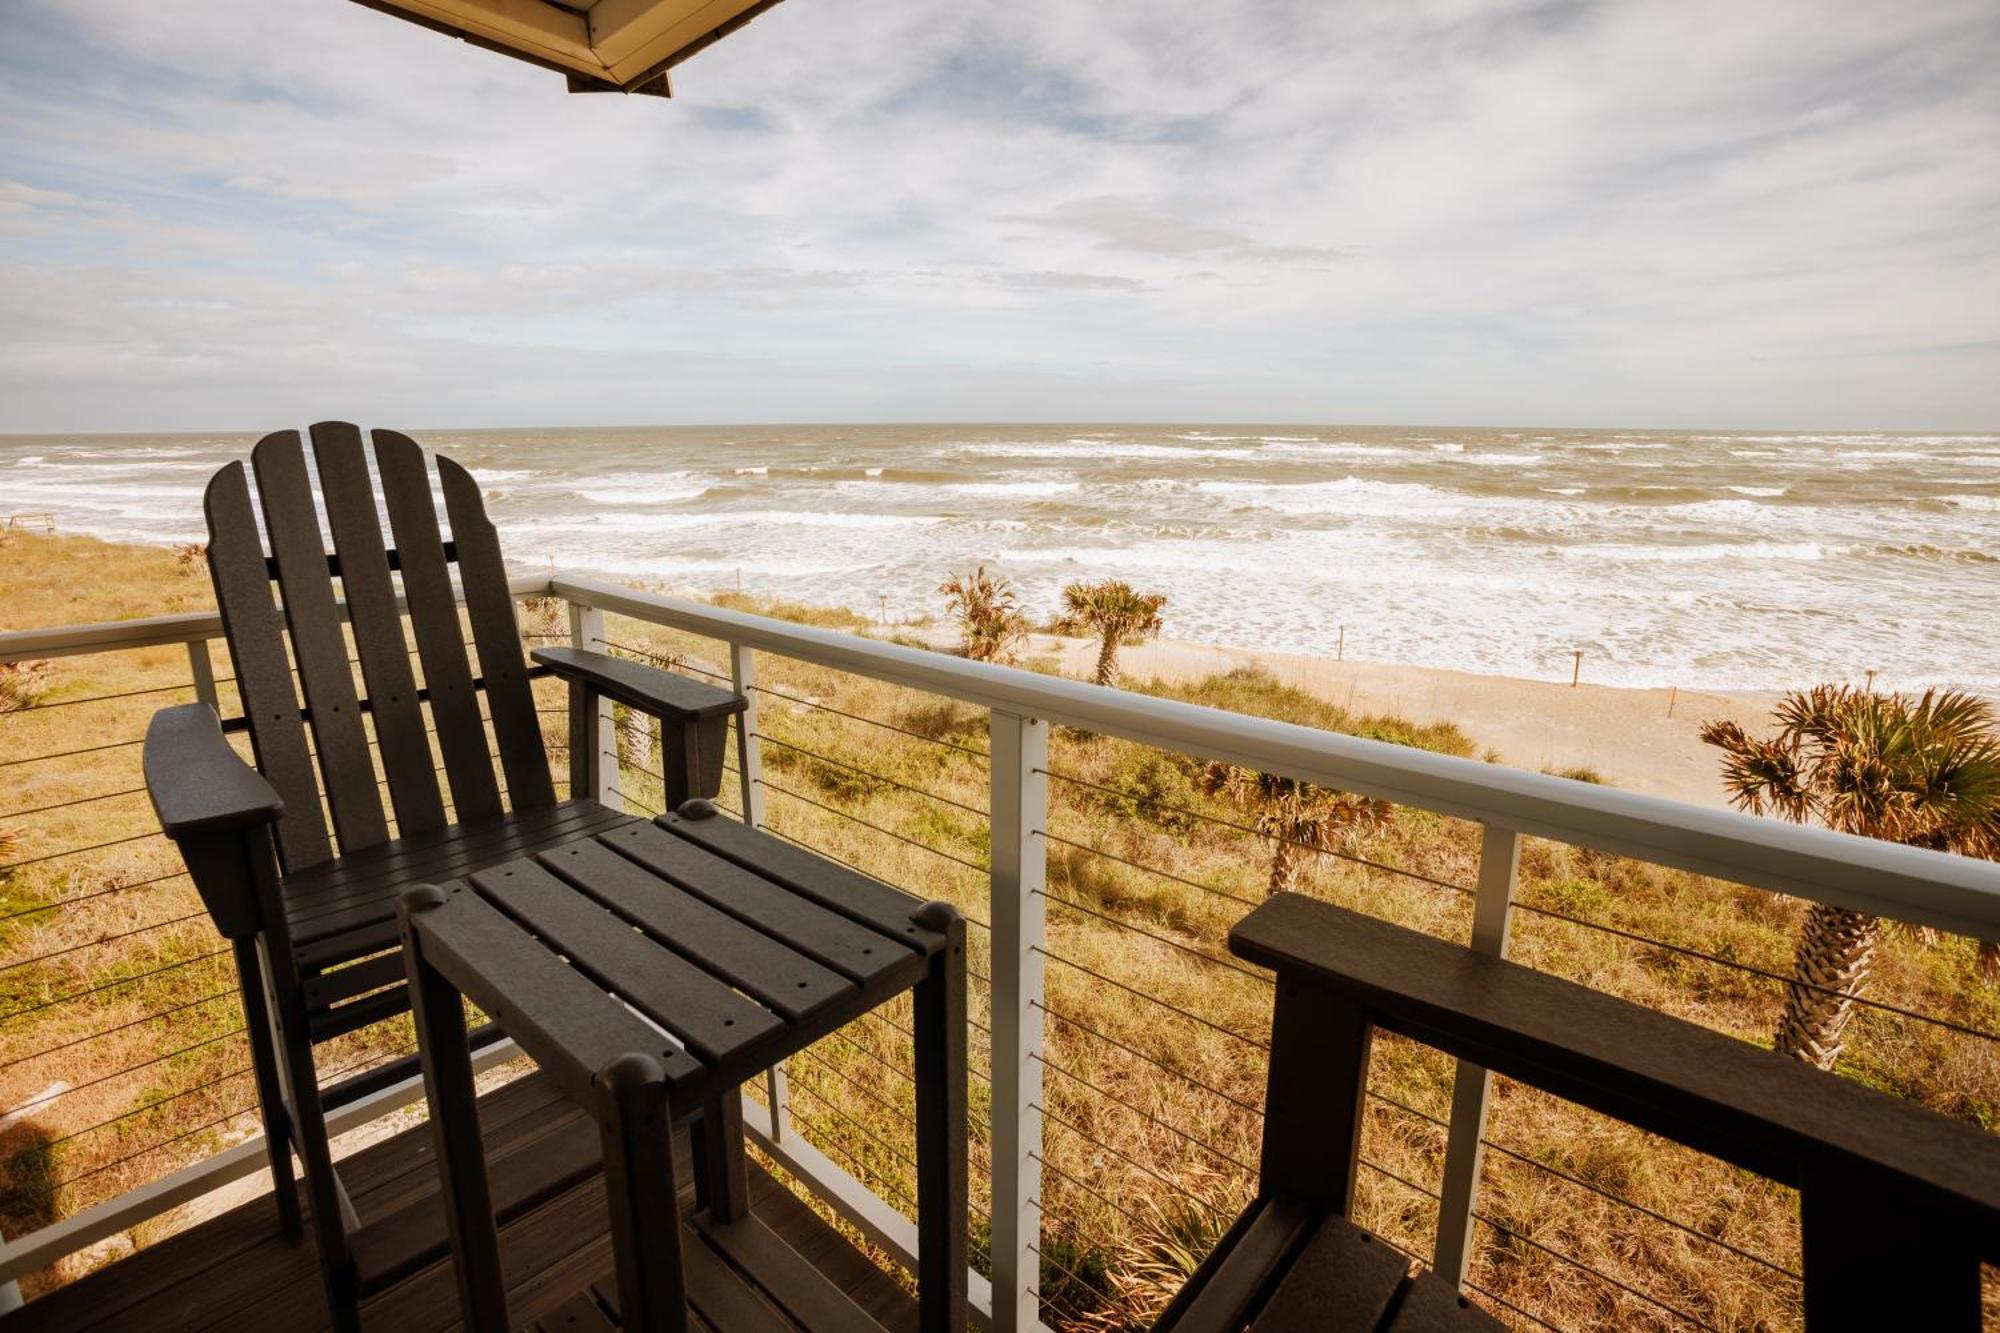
1639,739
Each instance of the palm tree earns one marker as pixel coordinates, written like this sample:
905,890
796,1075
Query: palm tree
1295,816
1114,615
1924,771
991,627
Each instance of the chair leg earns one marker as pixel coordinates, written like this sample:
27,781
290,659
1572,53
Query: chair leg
939,1014
641,1193
270,1091
454,1103
721,1180
286,997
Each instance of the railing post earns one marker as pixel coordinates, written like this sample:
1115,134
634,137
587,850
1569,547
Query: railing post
1020,800
586,630
1492,915
203,668
749,749
750,779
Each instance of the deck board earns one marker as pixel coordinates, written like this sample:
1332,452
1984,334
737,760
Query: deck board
235,1272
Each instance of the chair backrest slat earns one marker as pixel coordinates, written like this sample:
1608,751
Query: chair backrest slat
318,647
406,492
256,634
483,574
287,641
365,581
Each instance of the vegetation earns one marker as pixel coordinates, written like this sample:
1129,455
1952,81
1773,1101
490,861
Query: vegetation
1112,613
991,627
1154,1069
1924,771
22,683
1296,818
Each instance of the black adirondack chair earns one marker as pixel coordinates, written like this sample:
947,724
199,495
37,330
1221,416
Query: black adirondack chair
1900,1205
294,858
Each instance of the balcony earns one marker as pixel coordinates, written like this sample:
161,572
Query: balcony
1117,1051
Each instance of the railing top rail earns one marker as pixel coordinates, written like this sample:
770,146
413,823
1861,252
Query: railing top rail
1953,893
110,636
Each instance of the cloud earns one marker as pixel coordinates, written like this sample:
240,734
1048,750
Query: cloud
1457,209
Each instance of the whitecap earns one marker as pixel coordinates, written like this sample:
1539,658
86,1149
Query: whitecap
1764,491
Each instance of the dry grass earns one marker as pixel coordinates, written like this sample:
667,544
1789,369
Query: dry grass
1155,1035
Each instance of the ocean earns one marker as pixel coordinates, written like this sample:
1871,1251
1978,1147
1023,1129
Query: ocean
1709,560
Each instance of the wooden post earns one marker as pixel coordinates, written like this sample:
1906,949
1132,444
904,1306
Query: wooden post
1492,915
586,630
1871,682
1020,756
1340,648
1673,695
1576,668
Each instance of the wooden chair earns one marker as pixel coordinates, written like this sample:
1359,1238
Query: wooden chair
294,858
1900,1205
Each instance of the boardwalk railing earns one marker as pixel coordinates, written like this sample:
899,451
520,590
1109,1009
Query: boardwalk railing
1003,850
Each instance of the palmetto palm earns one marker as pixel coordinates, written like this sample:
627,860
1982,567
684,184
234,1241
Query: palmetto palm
1295,816
1112,613
1924,771
990,625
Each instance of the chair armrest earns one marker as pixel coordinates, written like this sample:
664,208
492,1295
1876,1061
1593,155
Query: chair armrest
649,689
1772,1115
198,784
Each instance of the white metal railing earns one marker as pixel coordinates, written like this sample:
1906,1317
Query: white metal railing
1951,893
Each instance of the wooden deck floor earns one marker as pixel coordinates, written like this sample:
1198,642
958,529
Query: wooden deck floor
237,1272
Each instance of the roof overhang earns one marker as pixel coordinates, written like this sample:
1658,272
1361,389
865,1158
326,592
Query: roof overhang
602,45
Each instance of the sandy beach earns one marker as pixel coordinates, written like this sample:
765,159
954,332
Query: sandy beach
1640,739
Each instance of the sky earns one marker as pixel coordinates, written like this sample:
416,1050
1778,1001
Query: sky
237,214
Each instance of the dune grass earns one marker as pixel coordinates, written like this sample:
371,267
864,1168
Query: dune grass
1155,1035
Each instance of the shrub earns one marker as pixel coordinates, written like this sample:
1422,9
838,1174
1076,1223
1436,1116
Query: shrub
991,627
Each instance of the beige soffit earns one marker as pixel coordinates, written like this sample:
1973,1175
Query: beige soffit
603,45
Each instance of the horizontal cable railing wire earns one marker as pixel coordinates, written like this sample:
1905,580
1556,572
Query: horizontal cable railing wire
661,659
1139,798
1597,1273
94,894
873,722
65,805
1085,847
48,1098
101,1033
1188,949
78,851
1637,1207
96,699
1502,1301
1171,1008
71,754
1752,969
243,1110
888,1106
73,996
103,940
1185,1077
1148,1116
144,1107
769,785
870,773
